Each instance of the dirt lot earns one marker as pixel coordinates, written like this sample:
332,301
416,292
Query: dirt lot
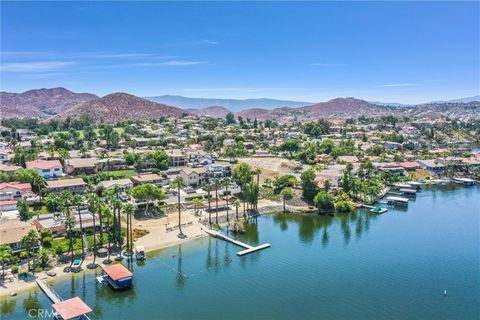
271,166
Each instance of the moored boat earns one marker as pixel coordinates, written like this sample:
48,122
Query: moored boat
139,253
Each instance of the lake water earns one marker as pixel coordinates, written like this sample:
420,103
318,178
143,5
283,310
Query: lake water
353,266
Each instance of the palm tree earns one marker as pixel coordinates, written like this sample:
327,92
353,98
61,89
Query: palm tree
70,224
177,183
95,205
28,243
208,188
226,182
43,255
6,256
216,201
196,202
107,215
129,209
287,194
52,202
236,204
78,200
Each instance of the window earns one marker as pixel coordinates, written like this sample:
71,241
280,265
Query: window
57,169
46,170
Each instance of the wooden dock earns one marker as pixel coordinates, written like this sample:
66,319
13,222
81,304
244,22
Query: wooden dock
248,248
51,294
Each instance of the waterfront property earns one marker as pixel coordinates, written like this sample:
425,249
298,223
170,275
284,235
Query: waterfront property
319,258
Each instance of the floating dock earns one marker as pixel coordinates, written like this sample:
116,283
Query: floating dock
51,294
248,248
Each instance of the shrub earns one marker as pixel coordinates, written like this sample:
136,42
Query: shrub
15,269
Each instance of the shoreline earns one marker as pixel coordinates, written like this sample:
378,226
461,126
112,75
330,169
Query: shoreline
19,286
157,239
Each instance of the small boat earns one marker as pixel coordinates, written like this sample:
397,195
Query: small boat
415,185
464,181
401,185
397,201
378,210
139,253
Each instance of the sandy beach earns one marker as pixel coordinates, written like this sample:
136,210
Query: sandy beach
159,237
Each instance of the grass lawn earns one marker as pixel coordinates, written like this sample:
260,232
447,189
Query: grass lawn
120,173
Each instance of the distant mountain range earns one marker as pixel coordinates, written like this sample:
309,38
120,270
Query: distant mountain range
44,103
234,105
40,102
122,106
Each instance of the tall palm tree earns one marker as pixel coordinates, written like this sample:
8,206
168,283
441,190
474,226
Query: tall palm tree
216,201
70,224
129,209
107,215
95,206
196,202
177,183
78,200
236,204
287,194
226,182
208,187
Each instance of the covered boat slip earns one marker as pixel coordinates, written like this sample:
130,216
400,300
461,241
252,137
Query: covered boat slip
73,308
117,276
397,201
408,192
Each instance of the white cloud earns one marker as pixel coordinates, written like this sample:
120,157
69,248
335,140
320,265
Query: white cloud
328,64
169,63
206,41
37,66
398,85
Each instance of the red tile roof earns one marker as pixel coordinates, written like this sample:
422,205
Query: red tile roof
71,308
43,164
20,186
409,164
117,271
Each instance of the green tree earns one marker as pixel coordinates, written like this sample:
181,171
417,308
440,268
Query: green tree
324,201
287,194
28,243
290,146
309,187
6,255
177,183
23,210
230,118
147,192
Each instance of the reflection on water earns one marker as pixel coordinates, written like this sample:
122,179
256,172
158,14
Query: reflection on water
317,265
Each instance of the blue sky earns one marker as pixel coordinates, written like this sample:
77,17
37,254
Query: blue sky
380,51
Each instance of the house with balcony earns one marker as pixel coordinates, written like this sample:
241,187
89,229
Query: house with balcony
77,166
193,177
46,168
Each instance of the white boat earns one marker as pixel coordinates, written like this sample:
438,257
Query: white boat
415,184
139,253
402,185
464,181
